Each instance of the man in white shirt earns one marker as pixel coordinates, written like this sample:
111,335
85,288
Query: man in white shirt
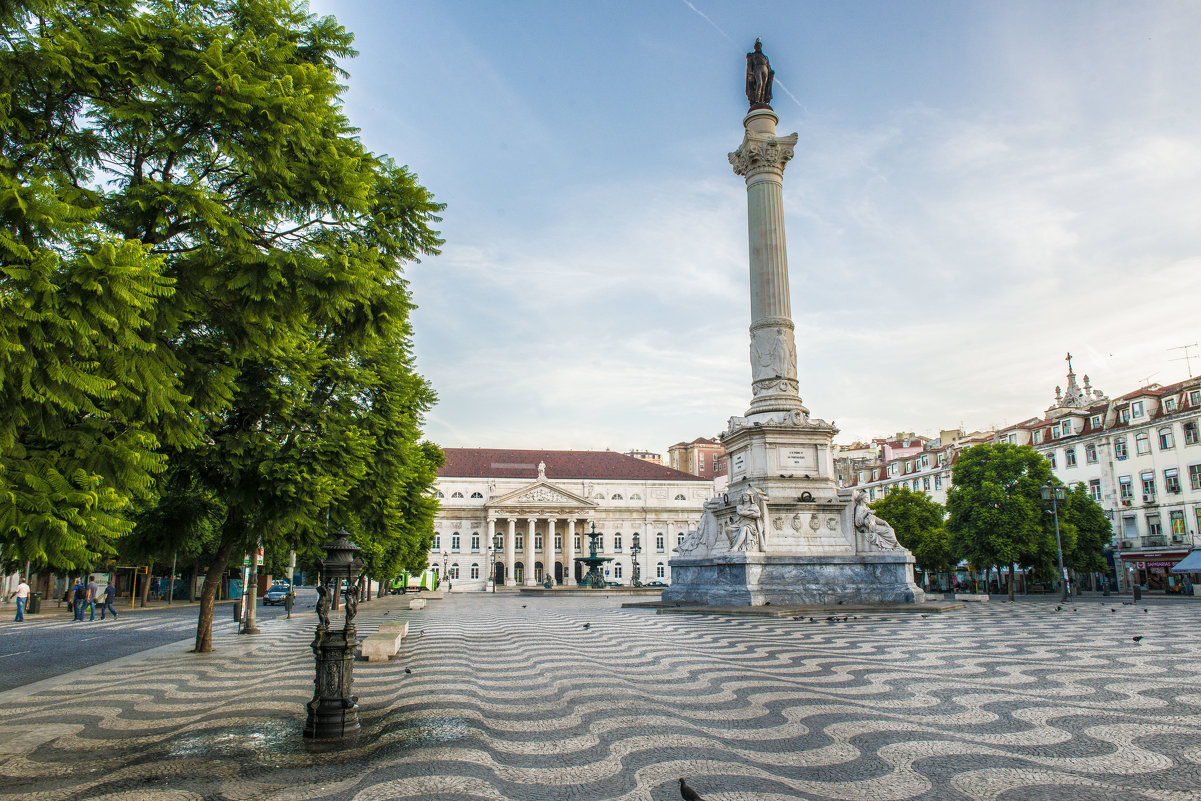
22,594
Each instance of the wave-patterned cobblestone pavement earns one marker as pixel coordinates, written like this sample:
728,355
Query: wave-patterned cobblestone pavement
513,698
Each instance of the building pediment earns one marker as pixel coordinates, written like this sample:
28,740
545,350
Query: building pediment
542,493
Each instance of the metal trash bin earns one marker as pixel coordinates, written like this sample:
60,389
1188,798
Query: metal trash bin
237,611
34,604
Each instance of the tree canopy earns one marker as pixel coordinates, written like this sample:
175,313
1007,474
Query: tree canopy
919,522
188,193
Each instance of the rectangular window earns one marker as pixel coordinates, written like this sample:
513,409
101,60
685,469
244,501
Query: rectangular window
1191,436
938,482
537,541
475,540
1142,443
871,493
1167,440
1148,486
1094,489
1126,489
1169,405
1177,524
454,542
1119,447
577,543
926,484
1090,453
1038,436
1171,481
437,542
1153,527
616,571
1136,409
1194,476
1194,398
519,543
1069,457
659,541
1066,428
1051,459
1124,415
659,571
498,542
1095,421
558,542
616,543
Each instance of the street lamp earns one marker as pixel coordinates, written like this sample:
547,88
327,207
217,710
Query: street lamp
334,711
1054,494
634,551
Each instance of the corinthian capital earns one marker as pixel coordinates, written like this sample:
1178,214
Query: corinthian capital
758,153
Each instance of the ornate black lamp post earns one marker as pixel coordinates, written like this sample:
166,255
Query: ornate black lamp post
1054,494
635,549
334,710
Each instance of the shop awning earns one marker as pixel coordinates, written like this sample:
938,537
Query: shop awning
1189,564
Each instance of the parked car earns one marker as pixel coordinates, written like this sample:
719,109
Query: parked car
656,584
612,583
276,594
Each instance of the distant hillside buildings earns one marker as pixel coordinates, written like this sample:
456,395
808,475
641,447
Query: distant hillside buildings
1139,455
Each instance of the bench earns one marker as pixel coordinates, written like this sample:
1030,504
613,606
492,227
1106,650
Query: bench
967,596
380,647
398,627
417,603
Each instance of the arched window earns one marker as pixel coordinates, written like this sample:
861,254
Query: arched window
475,540
475,571
437,493
454,571
454,542
477,495
635,497
659,542
617,542
600,496
659,572
616,497
681,498
616,571
456,495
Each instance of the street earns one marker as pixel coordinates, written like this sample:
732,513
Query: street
52,643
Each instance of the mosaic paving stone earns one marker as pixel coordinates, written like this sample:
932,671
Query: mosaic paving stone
512,698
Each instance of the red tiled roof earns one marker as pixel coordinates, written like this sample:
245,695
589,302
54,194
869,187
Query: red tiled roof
508,463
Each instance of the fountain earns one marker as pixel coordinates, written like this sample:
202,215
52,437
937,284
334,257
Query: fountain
594,578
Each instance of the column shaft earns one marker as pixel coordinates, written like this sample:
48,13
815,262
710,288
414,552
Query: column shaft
510,553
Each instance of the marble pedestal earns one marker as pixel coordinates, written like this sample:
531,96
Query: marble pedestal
754,579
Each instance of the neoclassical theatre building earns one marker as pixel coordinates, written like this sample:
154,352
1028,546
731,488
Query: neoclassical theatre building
515,516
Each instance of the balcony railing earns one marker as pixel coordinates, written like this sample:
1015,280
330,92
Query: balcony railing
1155,540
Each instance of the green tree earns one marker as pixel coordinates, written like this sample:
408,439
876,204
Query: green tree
920,526
995,510
210,135
1092,529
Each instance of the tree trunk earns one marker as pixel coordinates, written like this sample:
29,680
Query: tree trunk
208,596
146,583
1013,570
251,594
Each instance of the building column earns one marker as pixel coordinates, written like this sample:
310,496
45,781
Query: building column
510,558
569,554
531,553
552,557
490,550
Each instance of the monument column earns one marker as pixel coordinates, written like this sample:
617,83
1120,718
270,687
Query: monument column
510,555
760,159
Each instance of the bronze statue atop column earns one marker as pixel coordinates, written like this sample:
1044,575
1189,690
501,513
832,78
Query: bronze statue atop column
759,77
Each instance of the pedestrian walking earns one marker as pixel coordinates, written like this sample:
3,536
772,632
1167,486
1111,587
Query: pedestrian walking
110,593
93,594
155,588
22,595
78,596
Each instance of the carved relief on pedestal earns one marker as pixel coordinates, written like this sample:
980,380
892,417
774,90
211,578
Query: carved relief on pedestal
702,540
773,354
879,534
745,532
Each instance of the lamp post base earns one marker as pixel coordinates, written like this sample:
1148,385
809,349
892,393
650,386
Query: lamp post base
333,714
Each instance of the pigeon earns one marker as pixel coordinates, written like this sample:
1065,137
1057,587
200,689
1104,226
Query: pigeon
586,625
523,606
687,793
812,620
1146,610
1058,608
1112,609
1139,637
408,671
925,616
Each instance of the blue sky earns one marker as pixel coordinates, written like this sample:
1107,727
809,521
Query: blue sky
979,187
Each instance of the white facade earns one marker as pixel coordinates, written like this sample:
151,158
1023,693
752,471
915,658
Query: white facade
517,530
